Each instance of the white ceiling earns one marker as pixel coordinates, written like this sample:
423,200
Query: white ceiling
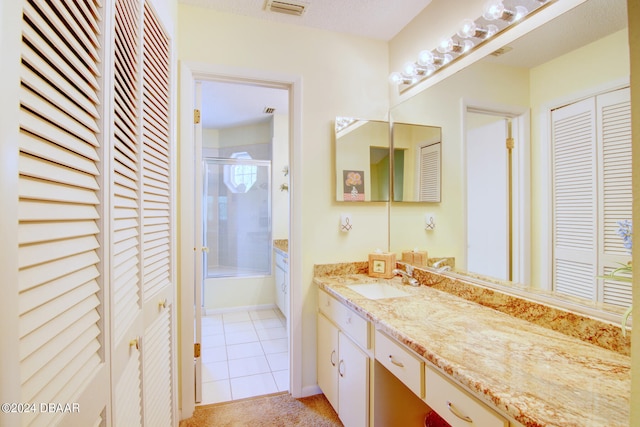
376,19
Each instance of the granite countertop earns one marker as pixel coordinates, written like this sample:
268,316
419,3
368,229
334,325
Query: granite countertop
281,244
538,376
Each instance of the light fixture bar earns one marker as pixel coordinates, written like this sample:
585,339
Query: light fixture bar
470,35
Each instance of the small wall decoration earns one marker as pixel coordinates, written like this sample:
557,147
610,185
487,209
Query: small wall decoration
353,185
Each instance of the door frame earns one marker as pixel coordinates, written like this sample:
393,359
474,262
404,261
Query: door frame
521,180
188,250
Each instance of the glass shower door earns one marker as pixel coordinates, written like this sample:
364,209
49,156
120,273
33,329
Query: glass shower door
237,216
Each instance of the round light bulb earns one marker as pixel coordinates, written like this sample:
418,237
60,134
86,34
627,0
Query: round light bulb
521,12
493,10
445,45
429,69
409,69
446,58
425,57
395,78
467,28
467,45
491,31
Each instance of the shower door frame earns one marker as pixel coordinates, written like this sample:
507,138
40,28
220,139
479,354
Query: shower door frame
223,161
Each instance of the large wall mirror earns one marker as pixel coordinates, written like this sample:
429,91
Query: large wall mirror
362,160
504,211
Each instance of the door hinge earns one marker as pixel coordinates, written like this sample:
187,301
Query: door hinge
196,349
510,143
196,116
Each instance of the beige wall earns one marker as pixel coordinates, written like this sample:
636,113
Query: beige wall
341,76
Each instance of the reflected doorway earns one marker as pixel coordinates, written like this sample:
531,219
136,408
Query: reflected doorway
497,193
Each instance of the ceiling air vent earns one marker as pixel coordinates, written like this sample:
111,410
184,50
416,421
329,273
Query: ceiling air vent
501,51
290,7
269,110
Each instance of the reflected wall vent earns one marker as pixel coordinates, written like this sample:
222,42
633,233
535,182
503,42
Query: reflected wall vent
290,7
269,110
501,51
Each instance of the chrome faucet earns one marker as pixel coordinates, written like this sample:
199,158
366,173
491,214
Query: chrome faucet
407,276
439,267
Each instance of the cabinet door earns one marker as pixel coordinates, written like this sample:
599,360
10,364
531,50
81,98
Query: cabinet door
279,285
353,383
285,288
327,360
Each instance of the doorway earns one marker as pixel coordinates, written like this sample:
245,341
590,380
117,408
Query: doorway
242,142
497,193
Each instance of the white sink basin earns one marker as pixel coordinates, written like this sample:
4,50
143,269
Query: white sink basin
377,291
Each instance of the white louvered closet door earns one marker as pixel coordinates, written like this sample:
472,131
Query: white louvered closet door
62,333
157,268
430,173
615,198
575,199
592,192
126,304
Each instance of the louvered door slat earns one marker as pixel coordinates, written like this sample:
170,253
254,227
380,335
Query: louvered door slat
81,63
38,232
59,352
124,155
40,168
159,151
157,365
44,90
128,404
57,61
57,136
42,273
82,26
72,35
64,86
30,188
29,255
36,146
50,112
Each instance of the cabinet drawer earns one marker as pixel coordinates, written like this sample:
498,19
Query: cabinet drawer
347,320
455,405
401,362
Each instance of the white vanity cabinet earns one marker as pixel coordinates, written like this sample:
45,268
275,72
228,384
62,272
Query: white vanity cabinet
457,406
342,360
282,281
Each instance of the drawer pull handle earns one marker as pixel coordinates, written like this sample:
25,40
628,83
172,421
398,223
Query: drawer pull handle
455,412
341,368
401,365
333,353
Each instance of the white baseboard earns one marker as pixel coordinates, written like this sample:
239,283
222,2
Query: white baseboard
310,391
211,311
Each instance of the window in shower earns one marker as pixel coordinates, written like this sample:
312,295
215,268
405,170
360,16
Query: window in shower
237,227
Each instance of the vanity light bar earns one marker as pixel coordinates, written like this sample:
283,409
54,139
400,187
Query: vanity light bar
496,18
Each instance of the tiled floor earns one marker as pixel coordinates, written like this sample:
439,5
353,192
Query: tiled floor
244,354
